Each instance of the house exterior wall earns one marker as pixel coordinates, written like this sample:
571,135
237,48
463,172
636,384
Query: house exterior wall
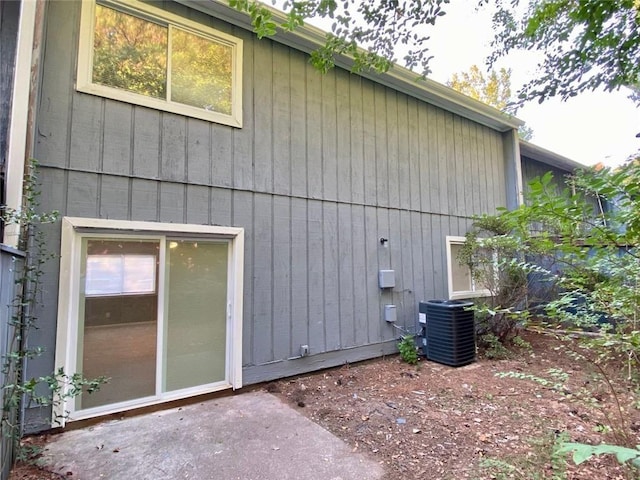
11,268
533,168
9,16
323,167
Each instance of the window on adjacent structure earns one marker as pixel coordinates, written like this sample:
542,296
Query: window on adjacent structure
140,54
460,278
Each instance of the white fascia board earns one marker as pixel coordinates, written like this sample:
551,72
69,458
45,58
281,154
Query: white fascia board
548,157
308,38
19,119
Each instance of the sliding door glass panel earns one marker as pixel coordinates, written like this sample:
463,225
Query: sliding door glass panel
117,331
195,313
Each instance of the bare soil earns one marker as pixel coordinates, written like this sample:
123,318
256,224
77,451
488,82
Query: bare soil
430,421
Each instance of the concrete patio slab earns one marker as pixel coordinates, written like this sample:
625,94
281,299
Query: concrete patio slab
251,436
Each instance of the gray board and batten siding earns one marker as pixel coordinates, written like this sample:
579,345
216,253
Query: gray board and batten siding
323,167
532,169
11,270
537,161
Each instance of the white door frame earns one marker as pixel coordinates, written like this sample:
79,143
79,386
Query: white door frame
73,230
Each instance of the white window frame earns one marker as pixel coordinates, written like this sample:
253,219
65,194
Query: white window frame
145,11
74,229
475,291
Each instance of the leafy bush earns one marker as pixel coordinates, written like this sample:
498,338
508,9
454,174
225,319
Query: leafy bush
408,349
569,258
493,347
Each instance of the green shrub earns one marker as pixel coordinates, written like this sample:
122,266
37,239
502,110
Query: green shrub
408,349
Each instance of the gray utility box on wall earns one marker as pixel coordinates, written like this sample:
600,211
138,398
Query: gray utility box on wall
387,278
450,332
390,313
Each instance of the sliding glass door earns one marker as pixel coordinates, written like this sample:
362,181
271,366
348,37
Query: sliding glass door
152,318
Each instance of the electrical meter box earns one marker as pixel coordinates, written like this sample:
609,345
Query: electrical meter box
390,313
387,278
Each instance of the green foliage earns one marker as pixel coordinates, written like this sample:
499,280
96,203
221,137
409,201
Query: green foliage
586,45
582,452
371,33
576,241
130,53
408,349
493,347
577,246
133,54
520,342
498,469
544,458
490,254
493,89
18,391
525,133
556,381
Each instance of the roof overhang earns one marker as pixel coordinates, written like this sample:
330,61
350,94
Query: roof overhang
548,157
309,38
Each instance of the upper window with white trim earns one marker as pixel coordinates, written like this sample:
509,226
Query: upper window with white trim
461,281
137,53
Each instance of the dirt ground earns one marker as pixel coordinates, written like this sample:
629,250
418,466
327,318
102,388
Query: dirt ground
431,421
434,422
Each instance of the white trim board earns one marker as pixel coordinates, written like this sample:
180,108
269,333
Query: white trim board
19,119
74,229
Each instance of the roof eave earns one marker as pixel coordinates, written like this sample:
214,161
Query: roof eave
309,38
548,157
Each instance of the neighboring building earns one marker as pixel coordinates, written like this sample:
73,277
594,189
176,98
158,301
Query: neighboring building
226,229
536,161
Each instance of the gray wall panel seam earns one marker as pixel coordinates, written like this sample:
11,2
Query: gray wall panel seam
322,185
366,269
353,277
291,110
160,155
184,183
210,207
324,260
251,277
131,164
185,203
187,157
339,274
308,316
272,148
70,92
417,152
99,195
291,314
211,159
273,260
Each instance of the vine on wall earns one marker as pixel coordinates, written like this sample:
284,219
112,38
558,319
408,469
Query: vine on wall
20,392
